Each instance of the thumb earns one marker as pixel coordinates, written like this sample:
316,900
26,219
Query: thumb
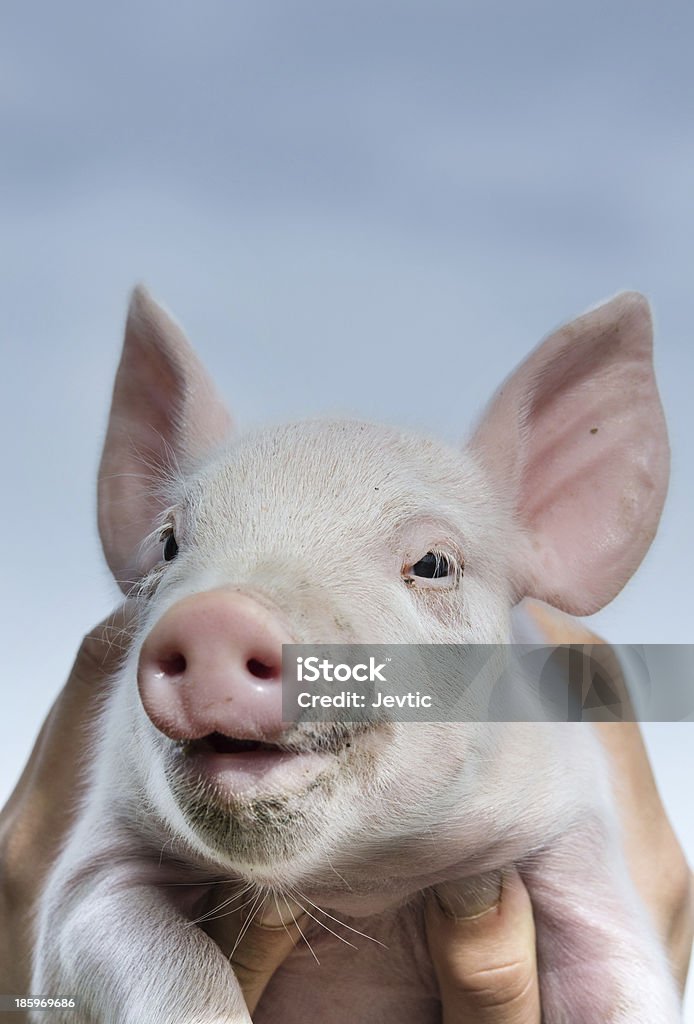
257,945
481,937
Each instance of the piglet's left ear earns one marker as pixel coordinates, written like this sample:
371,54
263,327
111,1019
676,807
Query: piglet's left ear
576,437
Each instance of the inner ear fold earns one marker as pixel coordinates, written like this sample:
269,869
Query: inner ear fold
165,414
577,437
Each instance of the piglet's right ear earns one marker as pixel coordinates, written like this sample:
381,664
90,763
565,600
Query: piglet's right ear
165,413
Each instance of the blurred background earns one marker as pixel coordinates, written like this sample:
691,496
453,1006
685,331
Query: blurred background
372,208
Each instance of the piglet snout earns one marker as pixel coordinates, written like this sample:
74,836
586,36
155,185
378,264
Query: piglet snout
213,663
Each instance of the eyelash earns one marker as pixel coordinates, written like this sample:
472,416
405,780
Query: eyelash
436,568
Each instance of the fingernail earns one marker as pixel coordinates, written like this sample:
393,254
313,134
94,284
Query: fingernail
278,914
470,897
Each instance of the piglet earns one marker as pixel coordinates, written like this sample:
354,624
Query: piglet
336,531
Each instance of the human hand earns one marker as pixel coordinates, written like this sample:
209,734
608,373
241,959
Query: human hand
41,809
481,934
482,939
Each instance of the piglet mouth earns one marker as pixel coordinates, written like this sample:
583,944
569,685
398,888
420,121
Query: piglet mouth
332,740
235,766
219,743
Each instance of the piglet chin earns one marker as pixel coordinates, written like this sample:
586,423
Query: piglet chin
264,770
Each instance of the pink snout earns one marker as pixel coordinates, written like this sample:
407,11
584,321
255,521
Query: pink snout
213,663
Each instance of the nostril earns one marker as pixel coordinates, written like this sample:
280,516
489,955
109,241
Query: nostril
173,665
260,670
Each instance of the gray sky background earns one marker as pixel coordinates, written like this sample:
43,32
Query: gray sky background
371,208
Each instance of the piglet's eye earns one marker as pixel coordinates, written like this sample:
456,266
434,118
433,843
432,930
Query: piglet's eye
434,566
170,547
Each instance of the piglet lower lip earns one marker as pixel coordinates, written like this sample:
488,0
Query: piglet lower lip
261,770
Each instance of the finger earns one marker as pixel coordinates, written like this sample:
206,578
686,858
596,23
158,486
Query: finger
103,648
682,933
266,940
482,942
44,800
648,835
649,839
99,656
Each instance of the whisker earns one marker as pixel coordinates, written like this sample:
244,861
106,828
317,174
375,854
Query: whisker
259,897
338,921
284,923
336,872
217,881
324,925
213,915
310,947
214,911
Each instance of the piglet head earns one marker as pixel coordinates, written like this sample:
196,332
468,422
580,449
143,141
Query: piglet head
341,531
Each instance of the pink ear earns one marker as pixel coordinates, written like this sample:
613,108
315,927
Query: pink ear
165,413
577,436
